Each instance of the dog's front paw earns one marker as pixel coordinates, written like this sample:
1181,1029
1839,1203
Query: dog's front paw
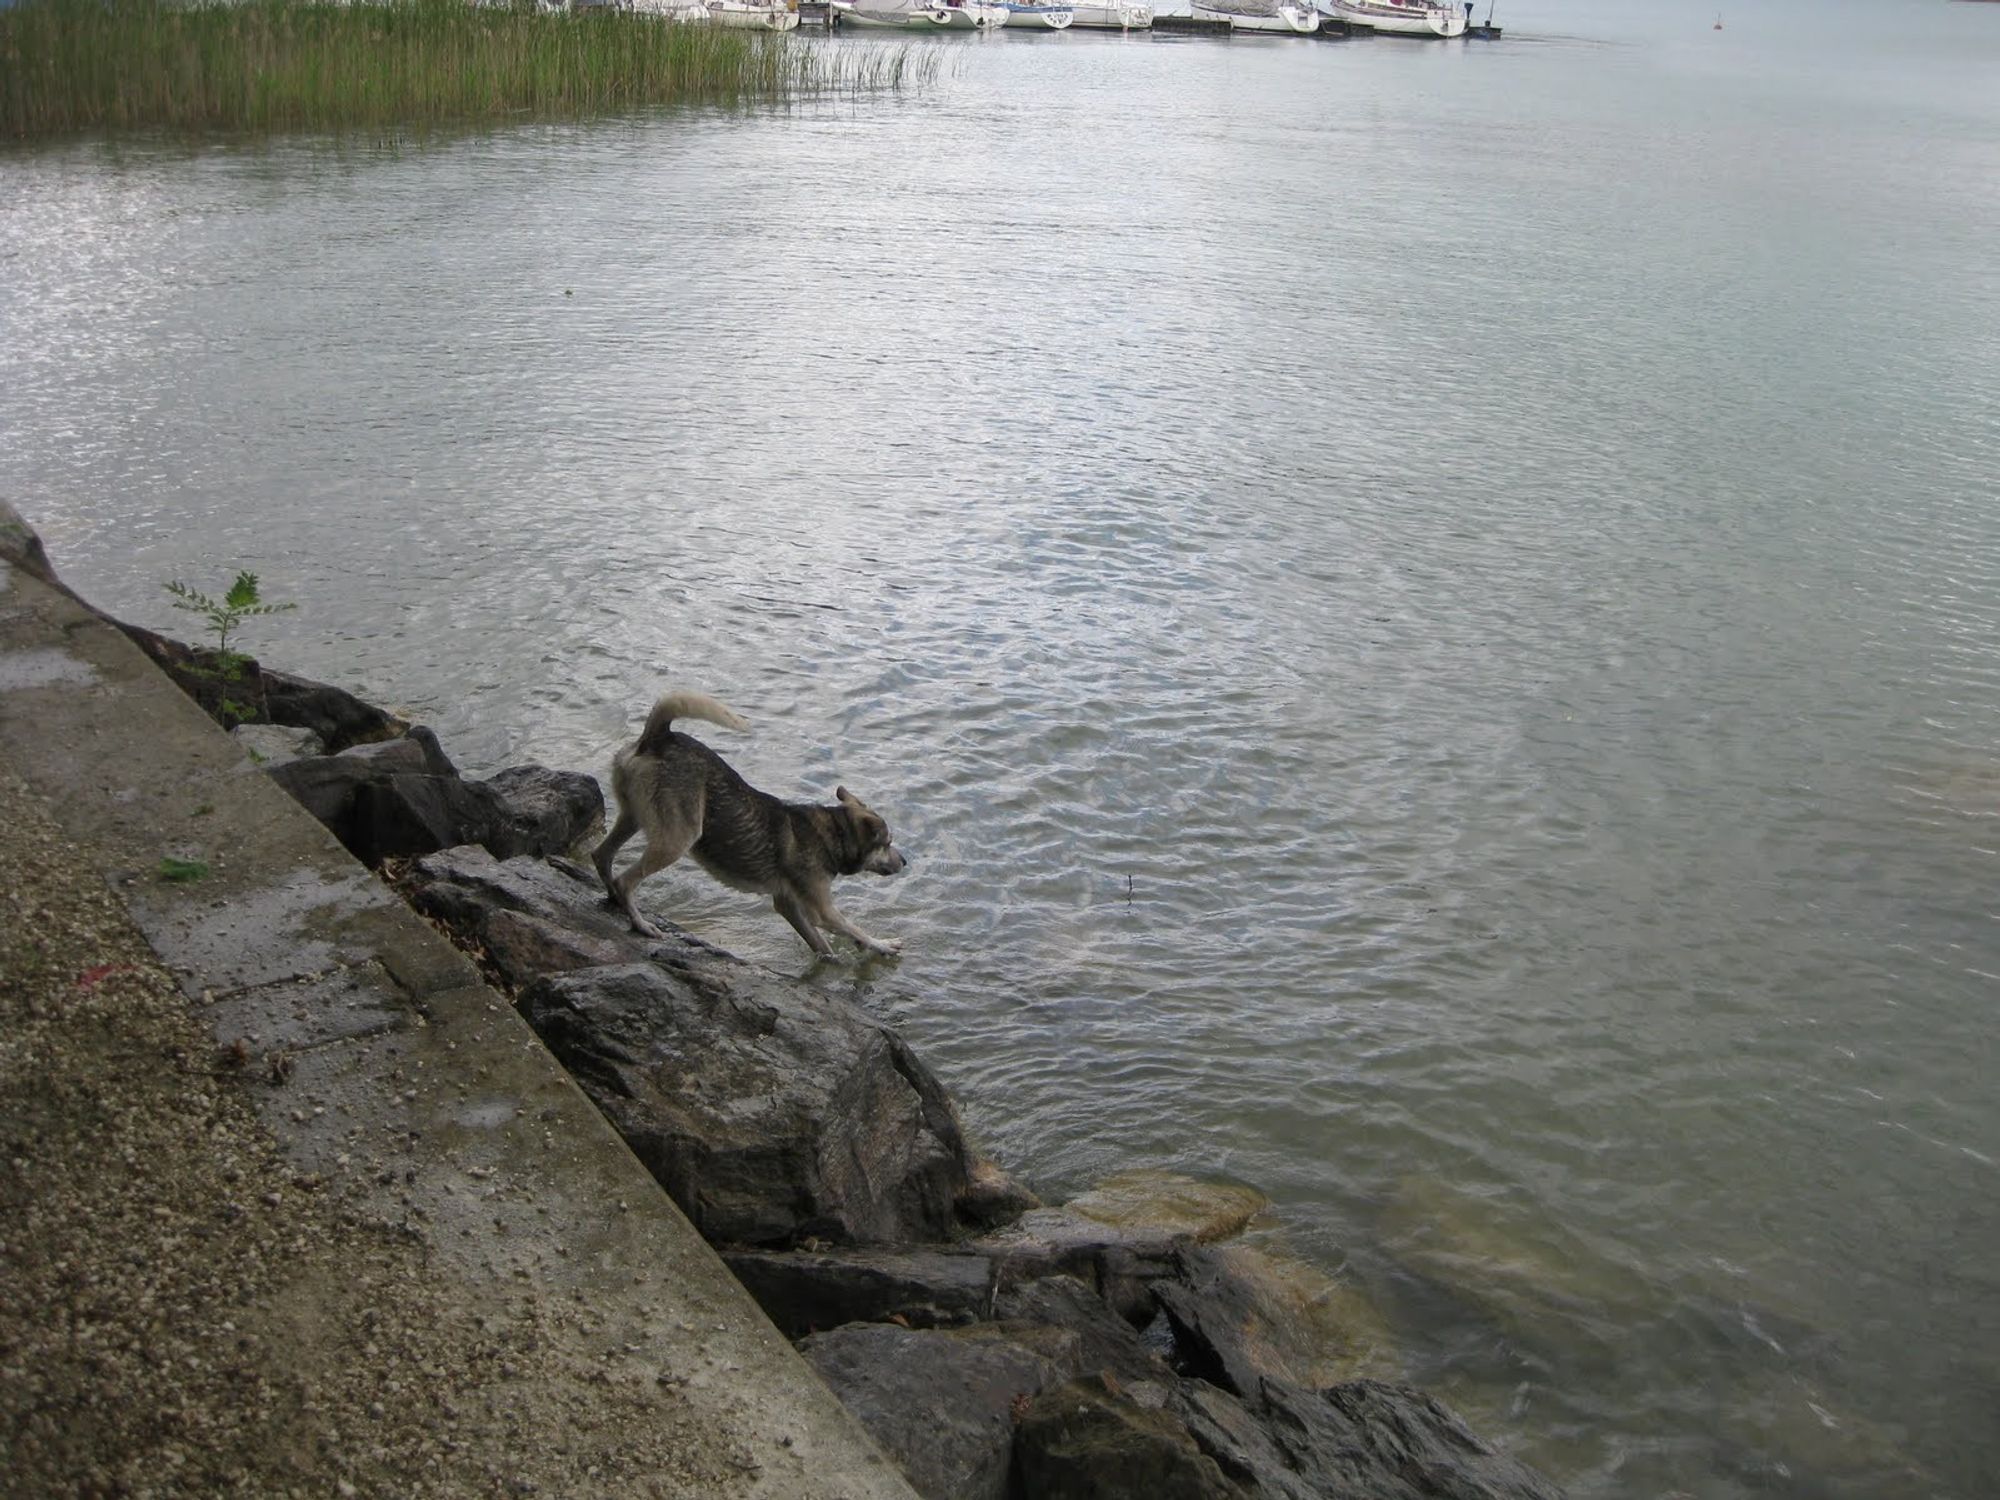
887,947
646,929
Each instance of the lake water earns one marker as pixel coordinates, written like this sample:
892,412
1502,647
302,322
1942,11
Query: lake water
1429,616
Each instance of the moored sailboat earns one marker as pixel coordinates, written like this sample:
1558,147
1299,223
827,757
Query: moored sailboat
1114,15
1038,15
934,15
761,15
1286,17
1400,17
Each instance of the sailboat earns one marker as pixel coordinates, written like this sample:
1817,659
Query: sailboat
1409,17
1293,16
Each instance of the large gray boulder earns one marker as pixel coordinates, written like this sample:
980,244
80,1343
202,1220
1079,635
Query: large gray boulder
1106,1344
771,1113
943,1403
1240,1315
534,917
1094,1439
774,1113
1360,1440
540,811
396,798
806,1292
338,717
1120,1264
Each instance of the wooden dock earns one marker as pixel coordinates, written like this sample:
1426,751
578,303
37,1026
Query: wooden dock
1192,25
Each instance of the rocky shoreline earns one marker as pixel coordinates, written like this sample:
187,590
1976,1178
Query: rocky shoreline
1125,1343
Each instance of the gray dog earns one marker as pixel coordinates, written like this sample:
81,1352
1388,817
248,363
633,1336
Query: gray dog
687,800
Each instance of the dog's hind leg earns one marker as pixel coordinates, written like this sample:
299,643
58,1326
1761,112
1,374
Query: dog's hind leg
662,849
623,829
788,907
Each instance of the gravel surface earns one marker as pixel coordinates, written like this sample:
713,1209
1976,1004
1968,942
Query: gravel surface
184,1314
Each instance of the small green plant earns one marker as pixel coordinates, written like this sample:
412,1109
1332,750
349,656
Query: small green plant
224,615
228,612
181,871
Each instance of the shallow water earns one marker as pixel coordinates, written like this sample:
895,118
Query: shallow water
1427,615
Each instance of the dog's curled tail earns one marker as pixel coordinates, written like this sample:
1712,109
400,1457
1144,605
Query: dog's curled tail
659,723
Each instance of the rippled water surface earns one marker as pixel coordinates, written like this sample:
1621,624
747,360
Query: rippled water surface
1427,614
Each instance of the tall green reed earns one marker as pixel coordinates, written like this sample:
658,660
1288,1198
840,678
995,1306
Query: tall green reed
293,65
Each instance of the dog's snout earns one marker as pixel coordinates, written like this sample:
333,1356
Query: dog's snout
888,860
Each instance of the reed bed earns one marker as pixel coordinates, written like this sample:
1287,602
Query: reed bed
69,66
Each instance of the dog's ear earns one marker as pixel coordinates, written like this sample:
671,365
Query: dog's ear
842,795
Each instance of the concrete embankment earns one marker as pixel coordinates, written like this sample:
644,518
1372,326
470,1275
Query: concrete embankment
291,1202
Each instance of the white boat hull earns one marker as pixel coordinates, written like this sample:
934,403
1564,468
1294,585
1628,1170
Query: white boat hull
1397,19
1040,17
1113,17
973,15
683,11
1287,17
756,17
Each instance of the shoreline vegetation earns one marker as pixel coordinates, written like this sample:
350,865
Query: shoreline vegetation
266,66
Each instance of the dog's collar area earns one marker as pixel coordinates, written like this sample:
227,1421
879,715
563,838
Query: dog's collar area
849,852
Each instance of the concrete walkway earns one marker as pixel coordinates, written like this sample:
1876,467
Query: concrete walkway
290,1201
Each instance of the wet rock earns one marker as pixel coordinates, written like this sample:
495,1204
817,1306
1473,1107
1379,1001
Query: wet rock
1532,1278
338,717
381,803
1240,1314
1091,1440
770,1112
943,1403
1119,1266
542,811
416,752
21,547
530,946
992,1198
1360,1440
535,916
1122,1236
273,744
1105,1343
396,816
324,786
805,1292
397,798
1184,1209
